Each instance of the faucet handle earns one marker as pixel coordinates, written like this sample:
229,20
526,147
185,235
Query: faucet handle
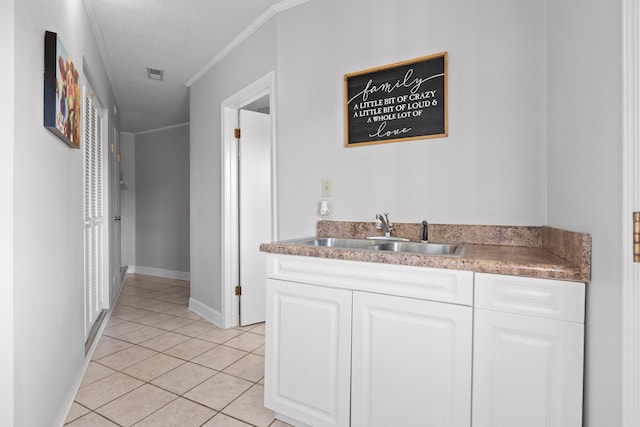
425,231
386,217
378,221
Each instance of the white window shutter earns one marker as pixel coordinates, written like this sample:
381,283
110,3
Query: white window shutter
93,210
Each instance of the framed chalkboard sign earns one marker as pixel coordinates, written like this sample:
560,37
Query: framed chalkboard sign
397,102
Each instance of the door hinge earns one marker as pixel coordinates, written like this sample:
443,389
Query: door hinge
119,157
236,133
636,237
112,148
238,290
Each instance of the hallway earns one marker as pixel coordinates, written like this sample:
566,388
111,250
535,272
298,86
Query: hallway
159,364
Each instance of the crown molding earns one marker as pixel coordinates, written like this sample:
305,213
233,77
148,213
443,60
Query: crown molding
102,47
251,28
144,132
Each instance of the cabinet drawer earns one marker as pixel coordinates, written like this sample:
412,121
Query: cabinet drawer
549,299
432,284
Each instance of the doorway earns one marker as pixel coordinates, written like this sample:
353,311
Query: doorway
248,202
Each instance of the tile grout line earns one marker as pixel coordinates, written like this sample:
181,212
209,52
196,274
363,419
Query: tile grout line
177,396
184,361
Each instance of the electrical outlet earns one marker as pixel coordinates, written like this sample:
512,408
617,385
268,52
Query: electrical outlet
326,188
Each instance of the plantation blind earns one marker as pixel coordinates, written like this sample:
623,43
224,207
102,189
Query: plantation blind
93,210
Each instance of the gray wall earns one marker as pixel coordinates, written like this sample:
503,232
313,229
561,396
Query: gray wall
491,167
48,218
246,64
490,170
585,165
162,199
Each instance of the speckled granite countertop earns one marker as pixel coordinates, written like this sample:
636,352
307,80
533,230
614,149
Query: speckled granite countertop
542,252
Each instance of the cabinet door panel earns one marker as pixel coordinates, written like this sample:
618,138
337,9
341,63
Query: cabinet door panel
412,362
308,354
527,371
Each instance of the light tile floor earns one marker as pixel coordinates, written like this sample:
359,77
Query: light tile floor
159,364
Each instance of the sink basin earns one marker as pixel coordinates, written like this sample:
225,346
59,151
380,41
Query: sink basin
447,249
333,242
420,248
388,238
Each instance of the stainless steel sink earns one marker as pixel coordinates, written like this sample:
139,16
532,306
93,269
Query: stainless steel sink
333,242
441,249
420,248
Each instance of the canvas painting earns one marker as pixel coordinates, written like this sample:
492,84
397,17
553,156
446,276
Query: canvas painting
61,92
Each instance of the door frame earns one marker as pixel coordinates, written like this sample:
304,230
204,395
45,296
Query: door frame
107,207
230,259
631,203
115,233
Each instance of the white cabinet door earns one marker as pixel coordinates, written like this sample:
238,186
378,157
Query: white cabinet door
411,362
308,353
527,371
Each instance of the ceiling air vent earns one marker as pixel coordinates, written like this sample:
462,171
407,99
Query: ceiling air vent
155,73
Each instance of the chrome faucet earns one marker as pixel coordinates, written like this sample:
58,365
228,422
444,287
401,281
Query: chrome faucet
382,222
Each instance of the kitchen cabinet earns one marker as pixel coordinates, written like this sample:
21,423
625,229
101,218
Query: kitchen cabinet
308,353
411,362
351,343
528,352
343,348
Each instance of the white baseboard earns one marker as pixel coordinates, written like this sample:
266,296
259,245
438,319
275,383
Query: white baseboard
123,280
196,306
66,407
159,272
213,316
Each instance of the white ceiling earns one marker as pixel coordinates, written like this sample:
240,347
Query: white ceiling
179,36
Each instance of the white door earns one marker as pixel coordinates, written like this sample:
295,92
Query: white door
527,371
308,354
254,210
412,362
93,165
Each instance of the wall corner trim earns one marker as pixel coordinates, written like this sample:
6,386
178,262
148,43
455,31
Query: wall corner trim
631,202
253,27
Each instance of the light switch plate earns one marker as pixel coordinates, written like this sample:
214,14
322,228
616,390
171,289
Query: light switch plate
326,188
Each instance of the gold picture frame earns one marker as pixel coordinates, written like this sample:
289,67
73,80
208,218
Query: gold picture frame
403,101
